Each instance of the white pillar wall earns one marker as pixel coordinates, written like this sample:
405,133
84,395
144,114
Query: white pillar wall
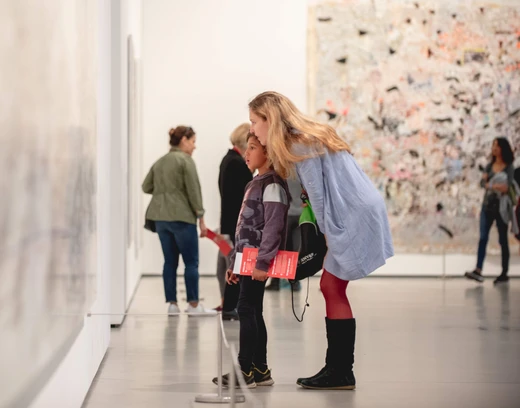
203,61
125,163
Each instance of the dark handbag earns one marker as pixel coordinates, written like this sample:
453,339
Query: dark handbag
149,224
313,246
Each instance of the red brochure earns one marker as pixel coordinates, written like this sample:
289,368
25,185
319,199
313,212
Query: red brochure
283,266
222,244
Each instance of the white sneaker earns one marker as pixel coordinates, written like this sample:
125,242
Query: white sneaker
173,309
200,310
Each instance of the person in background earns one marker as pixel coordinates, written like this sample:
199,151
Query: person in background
293,237
175,207
349,211
517,179
497,180
233,178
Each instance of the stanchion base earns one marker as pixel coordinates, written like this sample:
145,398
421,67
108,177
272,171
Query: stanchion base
218,399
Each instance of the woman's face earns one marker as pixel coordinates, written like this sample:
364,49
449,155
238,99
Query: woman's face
496,151
188,145
259,127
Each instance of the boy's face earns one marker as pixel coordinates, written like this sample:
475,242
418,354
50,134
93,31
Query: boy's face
255,155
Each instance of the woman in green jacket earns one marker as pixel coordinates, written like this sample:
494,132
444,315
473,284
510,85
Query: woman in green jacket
175,207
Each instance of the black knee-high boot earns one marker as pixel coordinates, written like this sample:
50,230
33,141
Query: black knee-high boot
337,373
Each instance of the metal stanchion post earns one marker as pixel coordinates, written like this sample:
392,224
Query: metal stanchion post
219,398
443,262
232,381
219,357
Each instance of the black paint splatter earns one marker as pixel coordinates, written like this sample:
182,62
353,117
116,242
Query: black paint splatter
392,51
324,19
442,120
362,32
446,230
331,115
342,60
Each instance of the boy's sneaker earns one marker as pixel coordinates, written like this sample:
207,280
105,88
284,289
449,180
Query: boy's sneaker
249,379
475,276
262,378
501,279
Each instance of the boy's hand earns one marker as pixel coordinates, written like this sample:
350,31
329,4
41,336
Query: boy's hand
259,275
231,278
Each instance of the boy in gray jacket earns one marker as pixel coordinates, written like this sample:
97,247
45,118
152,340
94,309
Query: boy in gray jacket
262,224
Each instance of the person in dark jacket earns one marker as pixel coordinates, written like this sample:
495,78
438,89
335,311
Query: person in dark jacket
233,178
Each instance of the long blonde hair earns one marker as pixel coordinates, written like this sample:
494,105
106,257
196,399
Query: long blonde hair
287,125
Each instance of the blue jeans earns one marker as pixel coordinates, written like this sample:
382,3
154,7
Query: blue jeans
179,238
486,222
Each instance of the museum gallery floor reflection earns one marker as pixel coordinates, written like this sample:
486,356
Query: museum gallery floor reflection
423,343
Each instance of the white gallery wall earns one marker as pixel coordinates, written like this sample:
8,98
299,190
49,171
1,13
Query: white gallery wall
117,262
202,63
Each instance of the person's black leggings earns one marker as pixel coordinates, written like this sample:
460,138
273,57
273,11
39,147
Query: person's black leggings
253,333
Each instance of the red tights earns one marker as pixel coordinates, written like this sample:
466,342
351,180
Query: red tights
335,293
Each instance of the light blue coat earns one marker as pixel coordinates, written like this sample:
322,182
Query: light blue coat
349,210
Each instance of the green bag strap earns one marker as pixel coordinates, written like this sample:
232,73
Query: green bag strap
307,214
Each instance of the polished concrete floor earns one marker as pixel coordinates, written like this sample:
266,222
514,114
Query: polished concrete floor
421,343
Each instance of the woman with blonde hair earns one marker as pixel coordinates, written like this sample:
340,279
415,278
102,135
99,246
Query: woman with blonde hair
349,211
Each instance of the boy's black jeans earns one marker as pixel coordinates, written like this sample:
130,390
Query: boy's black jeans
253,333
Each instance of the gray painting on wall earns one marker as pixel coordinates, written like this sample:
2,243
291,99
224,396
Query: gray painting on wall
48,186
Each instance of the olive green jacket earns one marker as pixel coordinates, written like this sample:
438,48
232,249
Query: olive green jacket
175,188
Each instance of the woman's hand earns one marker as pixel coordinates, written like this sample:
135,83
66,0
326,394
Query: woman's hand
231,278
203,229
259,275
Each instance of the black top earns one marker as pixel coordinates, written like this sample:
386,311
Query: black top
232,180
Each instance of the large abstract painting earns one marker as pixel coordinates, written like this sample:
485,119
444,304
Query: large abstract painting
420,89
48,186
